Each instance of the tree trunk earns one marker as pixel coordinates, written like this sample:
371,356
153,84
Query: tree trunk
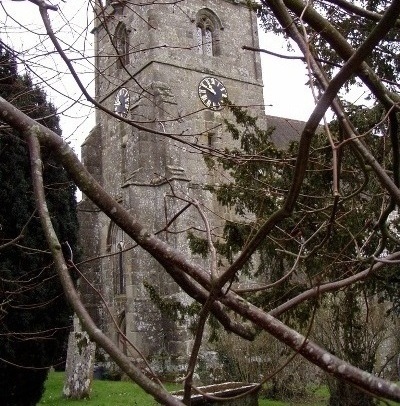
343,394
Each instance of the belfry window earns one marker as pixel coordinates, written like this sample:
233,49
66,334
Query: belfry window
122,45
207,27
120,271
210,140
118,260
205,36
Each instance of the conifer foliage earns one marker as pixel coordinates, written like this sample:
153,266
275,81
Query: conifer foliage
34,315
324,239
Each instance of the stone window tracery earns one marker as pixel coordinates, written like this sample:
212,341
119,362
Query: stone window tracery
207,26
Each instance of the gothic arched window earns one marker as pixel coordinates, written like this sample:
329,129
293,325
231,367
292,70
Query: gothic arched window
207,26
121,38
120,286
118,261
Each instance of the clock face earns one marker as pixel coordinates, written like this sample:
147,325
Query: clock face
121,102
212,93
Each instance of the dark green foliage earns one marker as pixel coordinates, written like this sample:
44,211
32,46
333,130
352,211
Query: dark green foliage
349,324
326,238
173,308
384,60
329,230
198,245
35,318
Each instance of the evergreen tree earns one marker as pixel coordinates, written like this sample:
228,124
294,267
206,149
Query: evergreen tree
35,318
323,240
354,21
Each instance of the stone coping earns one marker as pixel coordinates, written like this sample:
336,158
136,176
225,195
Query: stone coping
223,390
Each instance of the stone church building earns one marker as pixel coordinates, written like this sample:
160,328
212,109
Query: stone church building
167,66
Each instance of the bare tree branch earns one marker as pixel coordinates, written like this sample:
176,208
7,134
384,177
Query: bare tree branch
170,258
118,356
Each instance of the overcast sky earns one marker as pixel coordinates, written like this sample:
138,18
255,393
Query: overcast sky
284,80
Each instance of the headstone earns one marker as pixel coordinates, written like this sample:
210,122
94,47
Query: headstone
79,366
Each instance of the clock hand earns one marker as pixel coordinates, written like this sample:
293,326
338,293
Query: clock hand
210,89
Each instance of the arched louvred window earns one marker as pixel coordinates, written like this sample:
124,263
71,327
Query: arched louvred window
121,43
117,247
120,270
207,37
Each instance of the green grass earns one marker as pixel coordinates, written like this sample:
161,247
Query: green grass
107,393
104,393
318,397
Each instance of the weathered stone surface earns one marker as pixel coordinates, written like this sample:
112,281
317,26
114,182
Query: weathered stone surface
79,367
146,172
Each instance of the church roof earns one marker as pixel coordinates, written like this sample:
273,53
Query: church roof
286,130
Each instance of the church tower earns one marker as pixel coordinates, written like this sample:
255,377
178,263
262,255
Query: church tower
167,67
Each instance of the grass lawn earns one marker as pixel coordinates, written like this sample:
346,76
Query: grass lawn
317,398
107,393
111,393
104,393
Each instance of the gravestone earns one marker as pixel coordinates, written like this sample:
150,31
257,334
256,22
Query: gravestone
79,366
